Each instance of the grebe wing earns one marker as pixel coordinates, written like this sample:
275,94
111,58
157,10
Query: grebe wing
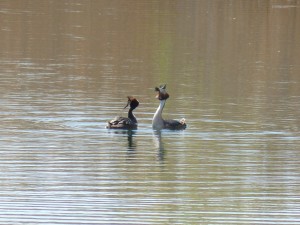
175,124
117,120
121,121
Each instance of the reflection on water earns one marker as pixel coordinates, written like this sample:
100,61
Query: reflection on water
232,71
125,134
158,143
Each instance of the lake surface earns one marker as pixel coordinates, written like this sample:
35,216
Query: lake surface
232,70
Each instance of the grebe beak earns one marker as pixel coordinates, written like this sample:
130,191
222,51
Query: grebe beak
127,105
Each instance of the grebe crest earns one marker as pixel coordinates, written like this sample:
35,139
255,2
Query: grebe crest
132,102
162,93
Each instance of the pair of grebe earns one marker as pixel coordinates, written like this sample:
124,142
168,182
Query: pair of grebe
158,122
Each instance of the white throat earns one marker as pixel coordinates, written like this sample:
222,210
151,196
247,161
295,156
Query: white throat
157,121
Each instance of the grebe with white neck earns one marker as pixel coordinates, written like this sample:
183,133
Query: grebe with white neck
158,122
129,123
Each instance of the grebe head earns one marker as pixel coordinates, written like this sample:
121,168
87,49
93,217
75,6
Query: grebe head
133,102
162,93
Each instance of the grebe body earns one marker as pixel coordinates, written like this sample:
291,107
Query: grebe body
158,122
130,122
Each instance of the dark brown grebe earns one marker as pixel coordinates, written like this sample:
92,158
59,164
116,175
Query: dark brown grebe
129,123
158,122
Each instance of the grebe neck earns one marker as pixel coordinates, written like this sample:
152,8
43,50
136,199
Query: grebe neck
158,122
131,116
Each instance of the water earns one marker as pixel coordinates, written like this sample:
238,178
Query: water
232,71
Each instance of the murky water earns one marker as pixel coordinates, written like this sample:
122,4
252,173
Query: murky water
232,71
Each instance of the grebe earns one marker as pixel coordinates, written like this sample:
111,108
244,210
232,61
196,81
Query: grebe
123,122
158,122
